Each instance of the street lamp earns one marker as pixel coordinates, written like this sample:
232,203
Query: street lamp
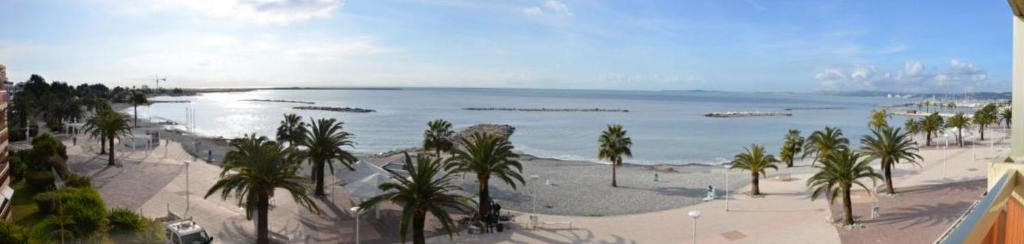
533,200
188,196
726,166
694,214
355,212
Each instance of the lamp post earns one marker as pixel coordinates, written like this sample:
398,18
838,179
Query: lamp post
355,213
726,187
533,200
694,214
188,196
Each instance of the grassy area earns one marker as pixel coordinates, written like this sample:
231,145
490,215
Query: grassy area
26,213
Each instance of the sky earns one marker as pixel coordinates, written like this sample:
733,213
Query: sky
734,45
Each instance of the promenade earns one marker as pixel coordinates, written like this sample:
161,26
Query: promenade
929,199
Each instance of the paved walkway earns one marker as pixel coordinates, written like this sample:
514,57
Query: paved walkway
786,215
153,182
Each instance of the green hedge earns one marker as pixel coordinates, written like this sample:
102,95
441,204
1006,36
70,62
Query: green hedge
46,201
40,180
11,233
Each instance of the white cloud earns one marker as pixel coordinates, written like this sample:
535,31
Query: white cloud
914,77
335,50
548,8
257,11
895,48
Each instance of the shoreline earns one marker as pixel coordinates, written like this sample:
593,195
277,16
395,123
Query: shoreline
560,182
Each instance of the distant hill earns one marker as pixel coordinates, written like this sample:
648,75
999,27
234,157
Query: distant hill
974,95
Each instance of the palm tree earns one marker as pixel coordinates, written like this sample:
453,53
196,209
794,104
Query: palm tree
253,168
791,147
912,126
757,162
292,130
614,143
108,125
438,136
878,119
890,146
135,100
931,125
487,155
958,121
823,142
951,105
427,189
985,116
324,142
1006,116
837,173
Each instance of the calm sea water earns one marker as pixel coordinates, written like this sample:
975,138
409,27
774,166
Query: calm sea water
666,127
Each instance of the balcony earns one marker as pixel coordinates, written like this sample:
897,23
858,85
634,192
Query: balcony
999,216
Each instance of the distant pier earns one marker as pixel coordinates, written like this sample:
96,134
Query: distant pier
336,109
551,110
745,114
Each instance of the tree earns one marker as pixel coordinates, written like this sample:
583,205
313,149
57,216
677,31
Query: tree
427,190
757,162
614,144
931,125
912,126
958,121
136,99
108,125
985,116
890,146
823,142
878,119
1006,116
487,155
837,173
325,141
792,145
438,136
253,168
47,153
951,105
292,130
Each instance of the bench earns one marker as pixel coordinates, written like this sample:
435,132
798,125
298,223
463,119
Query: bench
564,222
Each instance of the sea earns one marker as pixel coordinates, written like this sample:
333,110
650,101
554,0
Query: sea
667,127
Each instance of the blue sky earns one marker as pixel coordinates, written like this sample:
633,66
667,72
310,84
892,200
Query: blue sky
738,45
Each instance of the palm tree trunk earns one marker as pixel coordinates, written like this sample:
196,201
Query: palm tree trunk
418,222
755,189
136,108
887,169
319,168
485,197
438,150
262,231
960,136
847,207
928,139
981,130
103,145
614,183
110,156
789,163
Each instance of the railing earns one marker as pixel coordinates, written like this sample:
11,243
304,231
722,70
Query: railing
976,223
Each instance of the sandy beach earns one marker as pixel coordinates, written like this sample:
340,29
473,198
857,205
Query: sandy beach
560,185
